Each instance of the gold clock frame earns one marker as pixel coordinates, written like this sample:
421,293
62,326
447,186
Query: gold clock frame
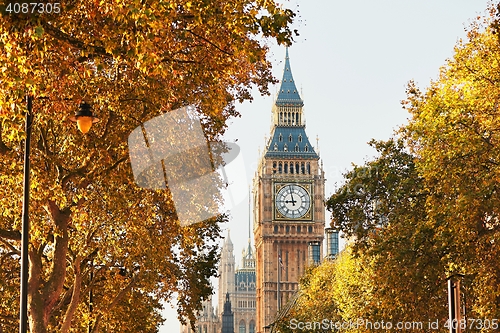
308,186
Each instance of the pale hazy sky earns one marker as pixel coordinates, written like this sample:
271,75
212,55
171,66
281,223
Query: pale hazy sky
351,62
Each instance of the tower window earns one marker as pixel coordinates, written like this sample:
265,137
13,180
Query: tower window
300,137
290,138
296,147
306,148
275,146
280,138
274,166
297,167
291,167
302,168
285,148
286,167
308,168
280,167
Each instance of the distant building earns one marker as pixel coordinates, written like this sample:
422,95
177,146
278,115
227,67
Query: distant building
207,320
245,301
236,286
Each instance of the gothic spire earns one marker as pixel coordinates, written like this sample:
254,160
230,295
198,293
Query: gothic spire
288,93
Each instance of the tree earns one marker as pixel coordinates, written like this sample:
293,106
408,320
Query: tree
93,231
386,221
330,294
454,131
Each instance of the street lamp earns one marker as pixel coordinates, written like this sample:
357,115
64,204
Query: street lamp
84,119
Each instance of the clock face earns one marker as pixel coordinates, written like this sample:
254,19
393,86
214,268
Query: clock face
293,201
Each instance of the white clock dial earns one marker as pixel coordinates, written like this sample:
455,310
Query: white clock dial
293,201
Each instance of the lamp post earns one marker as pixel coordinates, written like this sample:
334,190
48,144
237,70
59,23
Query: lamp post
454,304
84,119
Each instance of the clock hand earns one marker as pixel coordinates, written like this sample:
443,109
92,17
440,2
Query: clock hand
291,194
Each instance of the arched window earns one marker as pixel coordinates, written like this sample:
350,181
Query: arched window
300,137
297,118
286,168
296,147
290,138
291,167
242,327
308,168
306,148
280,137
302,168
274,167
275,146
297,167
280,167
285,148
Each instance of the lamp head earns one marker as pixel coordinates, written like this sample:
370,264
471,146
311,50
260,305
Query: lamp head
84,117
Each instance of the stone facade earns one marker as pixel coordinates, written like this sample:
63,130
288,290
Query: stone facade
289,216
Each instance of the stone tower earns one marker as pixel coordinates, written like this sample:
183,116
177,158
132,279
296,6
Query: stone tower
289,212
226,272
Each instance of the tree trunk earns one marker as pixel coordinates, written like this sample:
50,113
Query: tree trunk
44,295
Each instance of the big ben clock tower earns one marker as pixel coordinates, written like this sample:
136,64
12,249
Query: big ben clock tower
289,205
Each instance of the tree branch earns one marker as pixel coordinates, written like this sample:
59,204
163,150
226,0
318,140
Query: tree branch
61,36
3,148
10,234
209,42
9,245
75,298
115,301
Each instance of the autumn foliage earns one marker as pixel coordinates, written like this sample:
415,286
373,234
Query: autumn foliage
105,253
